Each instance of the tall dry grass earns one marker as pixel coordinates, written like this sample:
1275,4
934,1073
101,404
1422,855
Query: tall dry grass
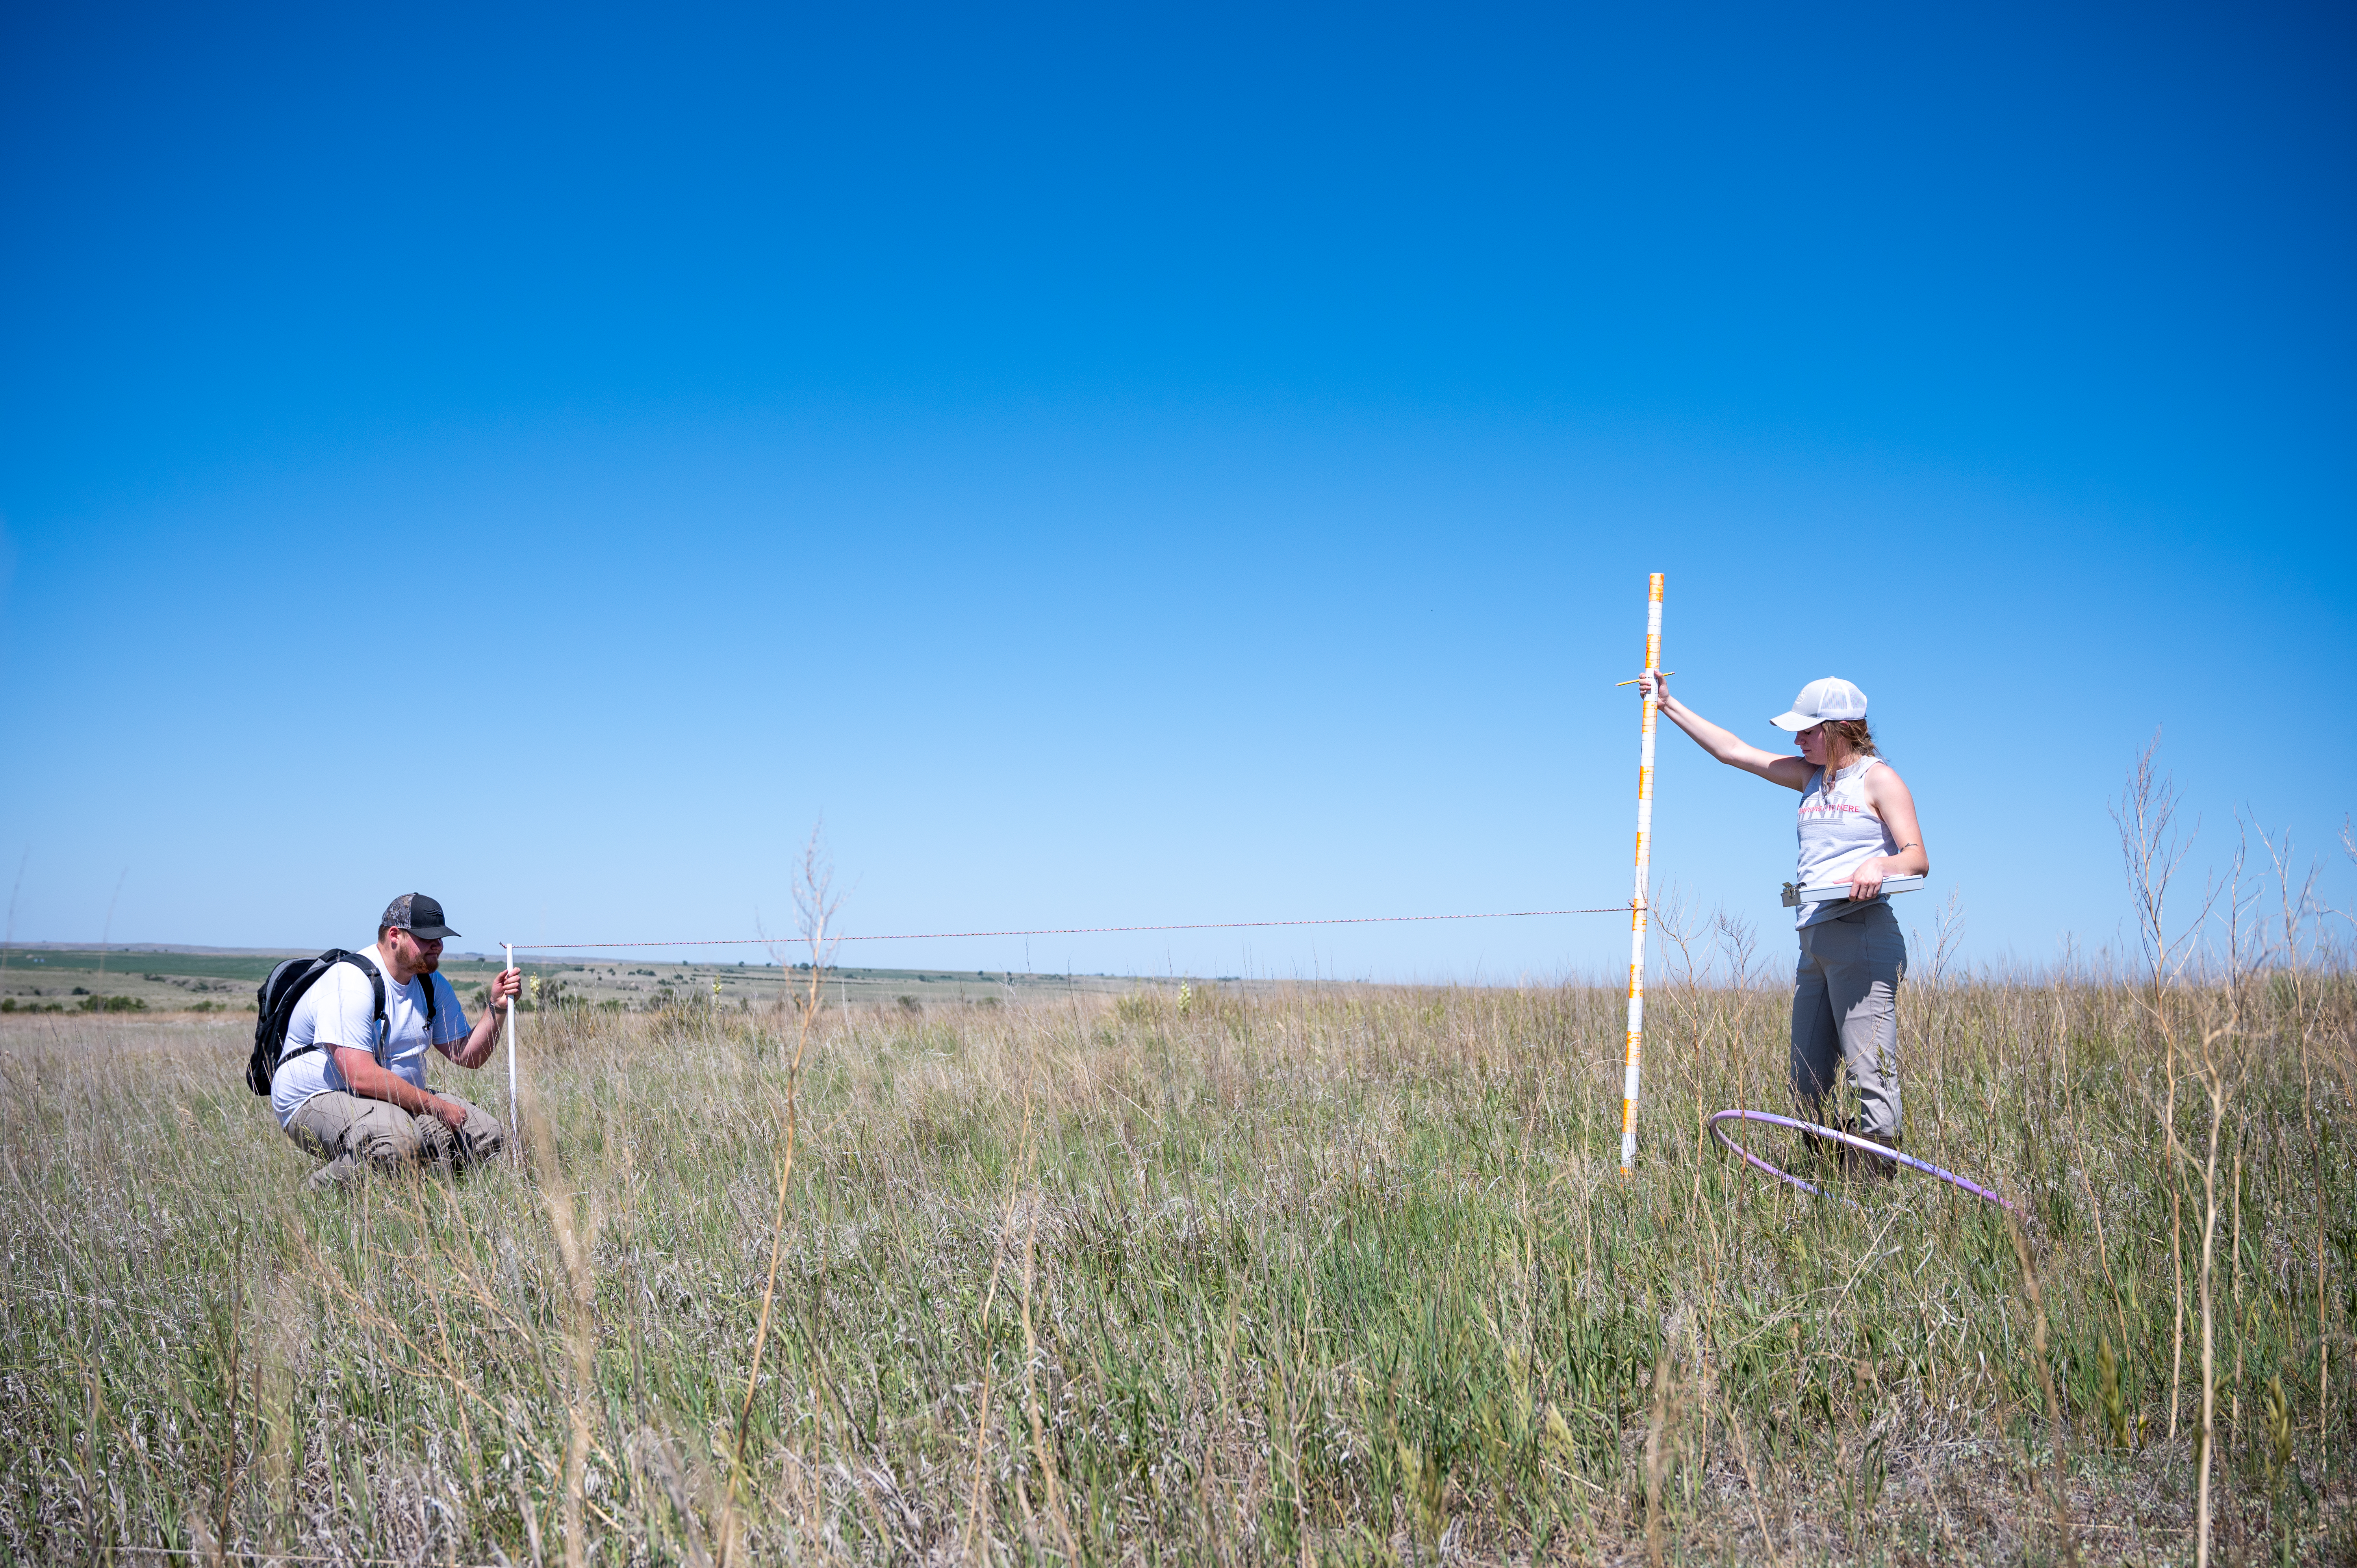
1298,1275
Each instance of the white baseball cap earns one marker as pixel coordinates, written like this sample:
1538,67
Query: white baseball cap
1820,701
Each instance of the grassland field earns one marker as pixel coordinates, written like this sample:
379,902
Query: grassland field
1286,1275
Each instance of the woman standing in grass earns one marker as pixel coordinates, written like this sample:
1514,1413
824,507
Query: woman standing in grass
1856,825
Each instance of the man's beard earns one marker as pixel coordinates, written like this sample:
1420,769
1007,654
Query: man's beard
427,962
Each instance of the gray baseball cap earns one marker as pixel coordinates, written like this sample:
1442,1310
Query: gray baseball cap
419,916
1822,701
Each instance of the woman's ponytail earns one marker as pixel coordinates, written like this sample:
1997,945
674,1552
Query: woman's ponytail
1856,738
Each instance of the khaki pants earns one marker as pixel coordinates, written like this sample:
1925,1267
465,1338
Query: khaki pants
350,1134
1846,1010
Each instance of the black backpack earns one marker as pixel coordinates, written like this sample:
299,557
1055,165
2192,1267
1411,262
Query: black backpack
276,1003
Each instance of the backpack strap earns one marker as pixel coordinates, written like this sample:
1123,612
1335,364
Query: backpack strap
376,989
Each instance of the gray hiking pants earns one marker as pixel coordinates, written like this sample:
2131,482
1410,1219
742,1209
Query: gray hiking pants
1845,1009
350,1134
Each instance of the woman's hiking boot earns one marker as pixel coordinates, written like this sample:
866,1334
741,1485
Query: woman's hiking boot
1848,1159
1875,1165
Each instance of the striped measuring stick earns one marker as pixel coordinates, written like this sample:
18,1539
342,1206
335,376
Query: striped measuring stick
515,1118
1637,907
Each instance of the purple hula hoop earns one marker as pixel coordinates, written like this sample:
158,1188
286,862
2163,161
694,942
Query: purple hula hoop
1865,1145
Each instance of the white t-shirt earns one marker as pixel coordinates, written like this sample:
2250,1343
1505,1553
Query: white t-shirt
341,1010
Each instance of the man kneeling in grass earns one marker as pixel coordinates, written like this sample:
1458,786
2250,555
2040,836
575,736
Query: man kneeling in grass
350,1086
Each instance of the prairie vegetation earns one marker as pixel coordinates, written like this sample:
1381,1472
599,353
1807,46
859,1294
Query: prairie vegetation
1322,1275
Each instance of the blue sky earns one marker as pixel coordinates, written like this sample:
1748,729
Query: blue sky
1182,464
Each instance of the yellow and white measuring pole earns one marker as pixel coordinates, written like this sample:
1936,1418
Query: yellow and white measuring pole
1637,905
515,1122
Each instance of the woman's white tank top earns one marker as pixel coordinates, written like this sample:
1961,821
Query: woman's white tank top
1838,829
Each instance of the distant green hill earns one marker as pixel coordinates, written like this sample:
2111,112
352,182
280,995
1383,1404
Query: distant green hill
123,961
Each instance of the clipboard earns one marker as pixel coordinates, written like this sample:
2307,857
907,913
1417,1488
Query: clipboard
1830,892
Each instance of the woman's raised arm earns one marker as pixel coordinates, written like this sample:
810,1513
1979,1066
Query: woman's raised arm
1792,772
